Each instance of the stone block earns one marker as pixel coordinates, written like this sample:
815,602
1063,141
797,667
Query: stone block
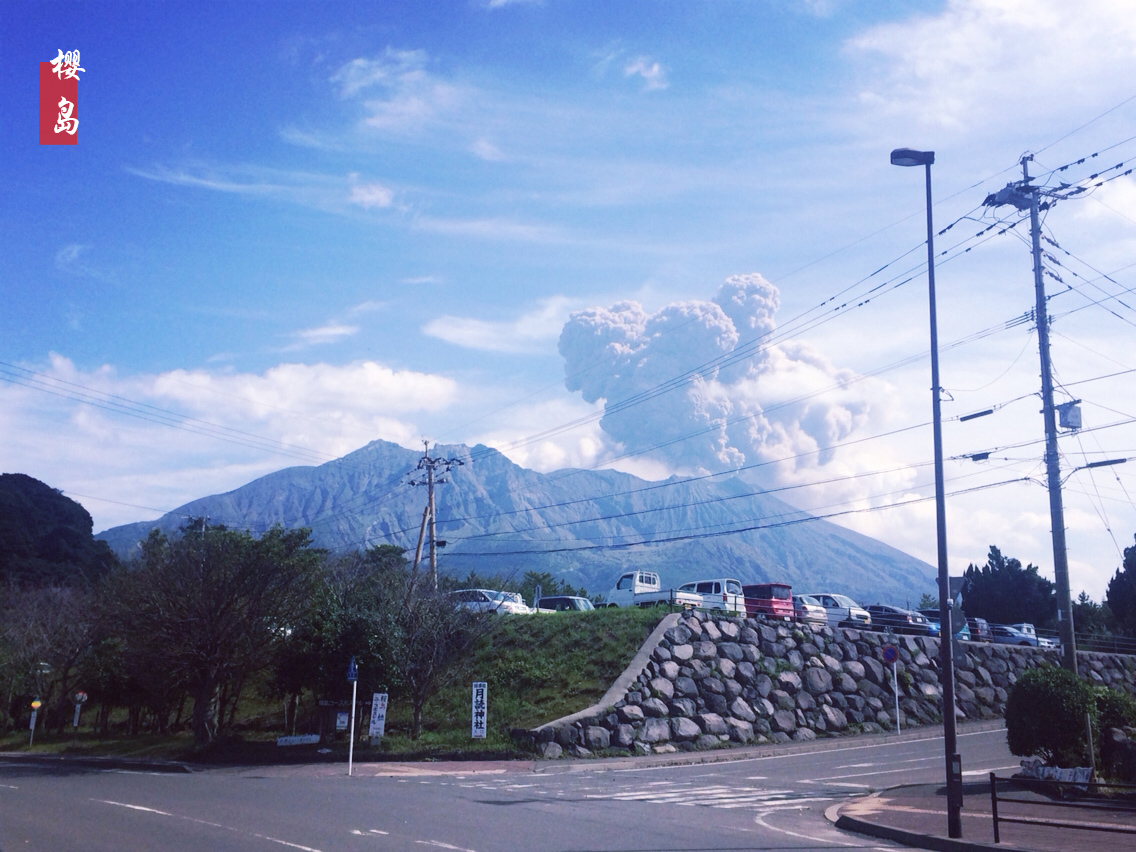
655,731
663,688
817,681
685,686
654,708
597,738
549,751
784,721
705,650
683,728
631,713
741,710
741,731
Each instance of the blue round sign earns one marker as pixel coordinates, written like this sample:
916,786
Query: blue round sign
890,653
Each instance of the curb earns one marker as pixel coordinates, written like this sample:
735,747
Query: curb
89,762
909,838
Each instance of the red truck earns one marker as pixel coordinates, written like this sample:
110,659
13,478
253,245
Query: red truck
773,600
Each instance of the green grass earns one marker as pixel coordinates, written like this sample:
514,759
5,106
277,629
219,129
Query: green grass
538,668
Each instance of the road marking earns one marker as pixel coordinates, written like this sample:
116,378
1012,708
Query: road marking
359,833
760,820
211,824
442,845
9,787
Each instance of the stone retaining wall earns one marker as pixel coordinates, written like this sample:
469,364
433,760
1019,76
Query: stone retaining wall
712,681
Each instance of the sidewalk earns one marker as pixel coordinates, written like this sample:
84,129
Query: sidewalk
917,816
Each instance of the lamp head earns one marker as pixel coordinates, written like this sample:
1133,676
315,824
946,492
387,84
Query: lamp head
911,157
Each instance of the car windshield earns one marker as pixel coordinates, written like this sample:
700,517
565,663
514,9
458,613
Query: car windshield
842,600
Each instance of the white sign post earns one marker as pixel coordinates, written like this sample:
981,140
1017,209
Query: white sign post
353,676
480,709
378,724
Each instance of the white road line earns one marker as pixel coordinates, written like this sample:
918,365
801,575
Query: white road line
206,822
442,845
865,774
9,787
973,772
760,820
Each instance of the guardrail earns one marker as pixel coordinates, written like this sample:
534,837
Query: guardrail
1090,802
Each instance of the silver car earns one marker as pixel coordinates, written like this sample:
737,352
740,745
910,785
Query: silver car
843,611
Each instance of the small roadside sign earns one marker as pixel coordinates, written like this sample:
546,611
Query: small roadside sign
378,715
480,710
890,654
341,720
352,671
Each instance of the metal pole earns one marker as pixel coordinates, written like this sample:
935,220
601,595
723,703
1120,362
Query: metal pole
351,743
1052,461
895,689
433,527
946,651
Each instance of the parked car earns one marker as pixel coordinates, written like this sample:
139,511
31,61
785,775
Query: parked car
1042,641
962,629
808,610
643,589
725,594
1006,635
843,611
773,600
490,600
563,603
979,630
898,620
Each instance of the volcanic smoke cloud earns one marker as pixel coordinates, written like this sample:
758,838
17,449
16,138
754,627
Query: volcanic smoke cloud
750,406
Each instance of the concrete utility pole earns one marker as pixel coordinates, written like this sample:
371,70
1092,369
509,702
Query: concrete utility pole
1024,196
1052,460
430,464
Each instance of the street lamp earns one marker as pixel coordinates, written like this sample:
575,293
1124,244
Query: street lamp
911,157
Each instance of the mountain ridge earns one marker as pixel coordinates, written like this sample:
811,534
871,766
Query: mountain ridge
499,518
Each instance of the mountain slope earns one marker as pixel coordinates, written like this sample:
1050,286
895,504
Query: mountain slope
499,518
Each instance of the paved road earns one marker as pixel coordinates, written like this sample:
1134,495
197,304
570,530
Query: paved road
761,802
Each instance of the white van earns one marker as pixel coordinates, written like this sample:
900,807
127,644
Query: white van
725,594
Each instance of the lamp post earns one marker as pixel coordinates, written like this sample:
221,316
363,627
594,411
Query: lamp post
910,157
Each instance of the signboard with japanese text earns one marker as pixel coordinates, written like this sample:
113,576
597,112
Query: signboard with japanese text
58,99
480,709
378,715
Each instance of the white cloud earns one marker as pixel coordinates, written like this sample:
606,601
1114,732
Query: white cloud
368,195
399,94
968,68
328,333
530,332
492,229
249,424
486,150
653,75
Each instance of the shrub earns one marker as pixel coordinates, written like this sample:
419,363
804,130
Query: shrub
1045,716
1115,709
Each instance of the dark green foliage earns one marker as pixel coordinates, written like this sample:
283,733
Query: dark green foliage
203,611
1115,709
1003,592
1045,716
1090,617
45,538
928,601
1121,594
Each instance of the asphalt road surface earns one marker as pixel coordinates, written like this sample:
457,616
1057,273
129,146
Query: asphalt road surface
758,802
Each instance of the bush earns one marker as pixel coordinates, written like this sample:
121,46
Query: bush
1045,716
1115,709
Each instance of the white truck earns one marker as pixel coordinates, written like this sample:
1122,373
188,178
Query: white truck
642,588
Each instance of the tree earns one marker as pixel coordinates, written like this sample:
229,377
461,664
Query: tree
1002,592
210,606
928,601
1090,617
1121,593
1045,715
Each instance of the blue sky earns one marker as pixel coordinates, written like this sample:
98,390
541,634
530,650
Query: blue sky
316,224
